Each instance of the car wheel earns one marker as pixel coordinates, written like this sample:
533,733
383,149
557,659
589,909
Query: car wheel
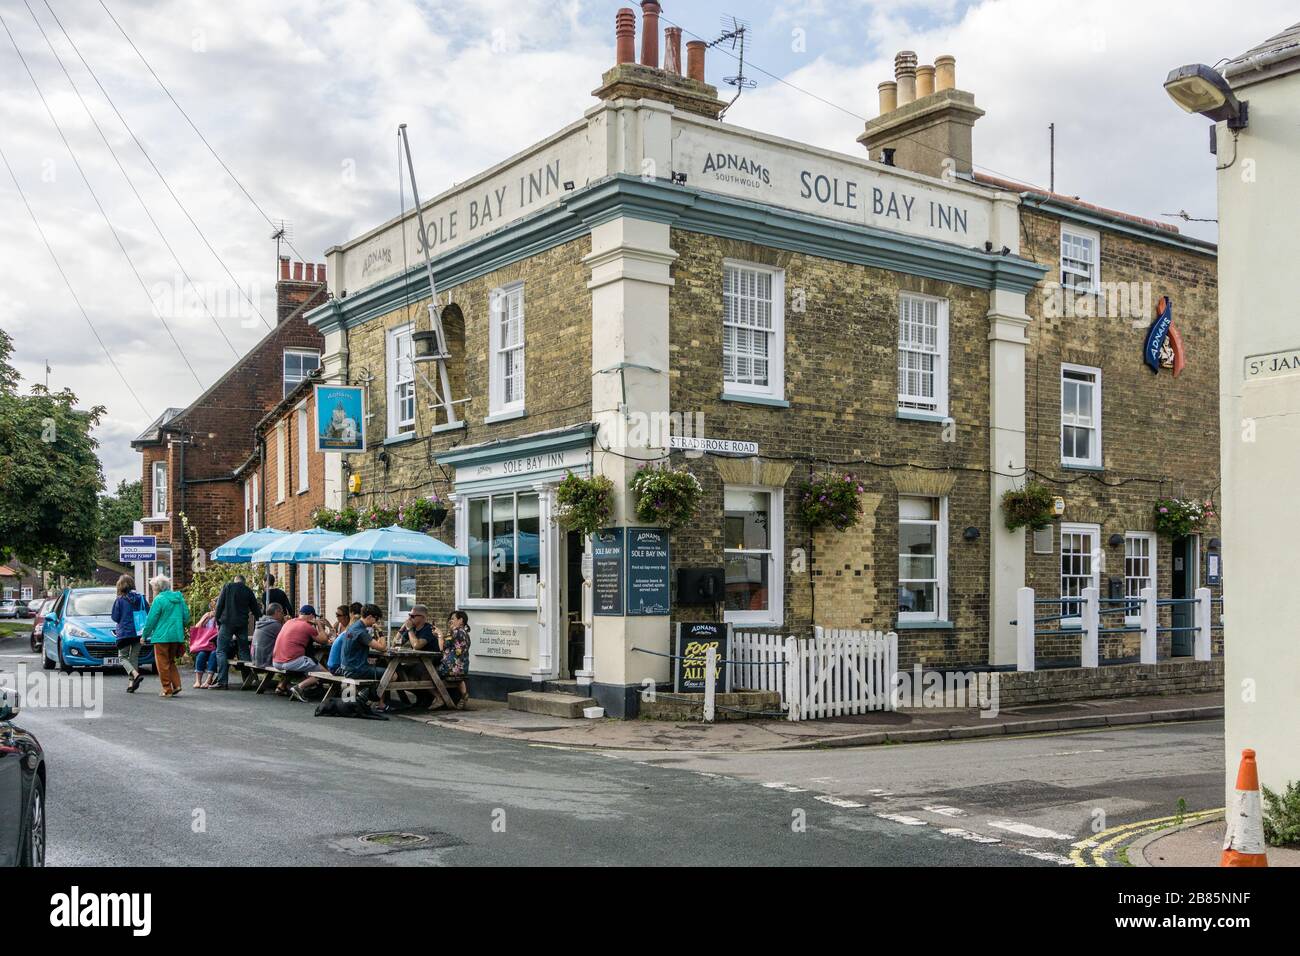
33,848
66,667
45,660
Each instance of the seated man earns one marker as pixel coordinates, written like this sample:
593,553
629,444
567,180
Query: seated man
265,633
417,632
358,641
291,646
335,663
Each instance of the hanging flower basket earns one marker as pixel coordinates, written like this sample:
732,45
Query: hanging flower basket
422,514
1030,506
668,496
377,517
343,520
1179,517
585,504
830,500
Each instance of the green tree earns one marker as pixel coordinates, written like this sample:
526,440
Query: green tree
50,477
118,513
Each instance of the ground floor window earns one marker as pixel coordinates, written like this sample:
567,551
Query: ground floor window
504,546
752,559
1079,551
1139,569
922,558
363,583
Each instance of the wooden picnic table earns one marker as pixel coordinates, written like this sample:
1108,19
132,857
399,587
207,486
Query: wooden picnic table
397,657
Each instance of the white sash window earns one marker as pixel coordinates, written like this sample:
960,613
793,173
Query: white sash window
507,347
753,333
923,354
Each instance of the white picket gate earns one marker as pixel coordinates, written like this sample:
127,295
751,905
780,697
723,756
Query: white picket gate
757,662
840,672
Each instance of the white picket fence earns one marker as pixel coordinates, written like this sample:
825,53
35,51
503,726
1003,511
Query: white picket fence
836,672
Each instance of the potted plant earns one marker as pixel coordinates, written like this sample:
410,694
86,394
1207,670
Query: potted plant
669,496
1180,517
830,500
377,516
422,514
343,520
1030,506
585,504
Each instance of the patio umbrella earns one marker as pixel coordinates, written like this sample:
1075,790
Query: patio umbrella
241,548
301,547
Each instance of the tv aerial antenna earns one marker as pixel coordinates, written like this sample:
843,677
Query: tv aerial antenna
283,233
734,31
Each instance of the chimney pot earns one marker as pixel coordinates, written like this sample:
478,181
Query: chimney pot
284,268
695,59
311,272
625,36
945,73
297,272
650,33
924,81
905,74
320,272
673,50
888,97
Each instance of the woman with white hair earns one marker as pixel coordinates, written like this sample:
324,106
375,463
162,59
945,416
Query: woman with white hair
165,628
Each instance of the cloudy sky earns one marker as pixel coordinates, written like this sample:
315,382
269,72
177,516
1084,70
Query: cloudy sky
301,100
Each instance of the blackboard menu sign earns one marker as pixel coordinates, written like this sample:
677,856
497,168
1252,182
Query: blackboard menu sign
647,571
693,641
607,572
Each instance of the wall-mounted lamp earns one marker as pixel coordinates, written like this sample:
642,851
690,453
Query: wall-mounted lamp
971,534
568,185
1214,544
383,457
1115,540
1198,88
425,346
679,178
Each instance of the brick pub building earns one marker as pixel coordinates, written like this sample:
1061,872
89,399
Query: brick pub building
889,313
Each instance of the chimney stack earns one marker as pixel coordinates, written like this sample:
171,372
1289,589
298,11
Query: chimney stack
673,50
650,33
925,122
625,36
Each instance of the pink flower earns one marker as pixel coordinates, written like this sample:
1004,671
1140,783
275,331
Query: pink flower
1164,511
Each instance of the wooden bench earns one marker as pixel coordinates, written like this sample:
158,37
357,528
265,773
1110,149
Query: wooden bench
333,683
248,673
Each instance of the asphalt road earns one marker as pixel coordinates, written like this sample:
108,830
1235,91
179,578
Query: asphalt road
233,778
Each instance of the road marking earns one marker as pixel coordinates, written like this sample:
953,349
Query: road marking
1045,856
839,802
1072,753
1100,844
967,835
1029,830
902,818
785,787
946,811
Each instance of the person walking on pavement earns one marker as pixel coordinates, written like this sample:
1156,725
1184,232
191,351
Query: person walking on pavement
165,628
128,604
237,607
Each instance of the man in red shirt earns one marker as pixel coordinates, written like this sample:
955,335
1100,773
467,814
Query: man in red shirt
292,644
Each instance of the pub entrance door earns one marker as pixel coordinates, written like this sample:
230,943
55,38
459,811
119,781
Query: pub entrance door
1186,578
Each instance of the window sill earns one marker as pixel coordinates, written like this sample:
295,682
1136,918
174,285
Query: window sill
399,439
768,400
505,416
448,427
154,519
500,604
1081,467
911,415
934,625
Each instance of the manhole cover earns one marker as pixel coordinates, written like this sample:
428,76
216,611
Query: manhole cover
394,840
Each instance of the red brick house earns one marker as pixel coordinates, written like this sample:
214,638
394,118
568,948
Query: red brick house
191,456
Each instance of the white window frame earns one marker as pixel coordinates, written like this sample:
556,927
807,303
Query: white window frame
1091,271
158,484
938,405
291,384
1093,532
940,612
304,479
257,502
248,504
26,593
281,460
1152,543
774,616
1094,460
463,518
498,350
775,387
399,379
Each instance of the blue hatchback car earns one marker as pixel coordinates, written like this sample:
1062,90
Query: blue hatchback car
79,631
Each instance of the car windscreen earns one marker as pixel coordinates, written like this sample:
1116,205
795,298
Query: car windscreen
91,604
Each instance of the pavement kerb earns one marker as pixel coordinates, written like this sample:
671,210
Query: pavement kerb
1135,852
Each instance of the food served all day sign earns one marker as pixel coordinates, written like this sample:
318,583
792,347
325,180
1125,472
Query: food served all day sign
693,642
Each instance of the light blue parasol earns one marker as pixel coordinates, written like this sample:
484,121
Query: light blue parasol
393,545
301,547
241,548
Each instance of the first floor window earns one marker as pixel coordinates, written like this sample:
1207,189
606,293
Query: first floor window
401,381
753,299
923,354
1139,569
752,543
1079,570
302,449
298,364
281,460
507,349
504,546
1080,415
159,480
1080,260
922,558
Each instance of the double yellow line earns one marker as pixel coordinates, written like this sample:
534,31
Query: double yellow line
1107,840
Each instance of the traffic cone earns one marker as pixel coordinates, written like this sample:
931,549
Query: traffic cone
1244,843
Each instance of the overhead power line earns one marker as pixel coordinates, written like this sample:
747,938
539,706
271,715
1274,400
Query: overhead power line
229,172
163,179
71,291
93,195
125,175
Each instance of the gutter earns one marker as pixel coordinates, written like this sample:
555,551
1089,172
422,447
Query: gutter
1097,217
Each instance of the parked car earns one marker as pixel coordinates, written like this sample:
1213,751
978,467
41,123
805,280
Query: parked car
22,789
78,631
25,608
34,607
8,609
38,621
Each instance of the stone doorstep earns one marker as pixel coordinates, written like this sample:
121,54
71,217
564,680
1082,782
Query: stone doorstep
549,703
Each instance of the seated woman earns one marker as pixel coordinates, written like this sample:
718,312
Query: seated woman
454,666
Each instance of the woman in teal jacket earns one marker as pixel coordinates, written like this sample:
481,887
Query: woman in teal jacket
165,628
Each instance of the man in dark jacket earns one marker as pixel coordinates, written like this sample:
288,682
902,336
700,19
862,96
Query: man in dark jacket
237,608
